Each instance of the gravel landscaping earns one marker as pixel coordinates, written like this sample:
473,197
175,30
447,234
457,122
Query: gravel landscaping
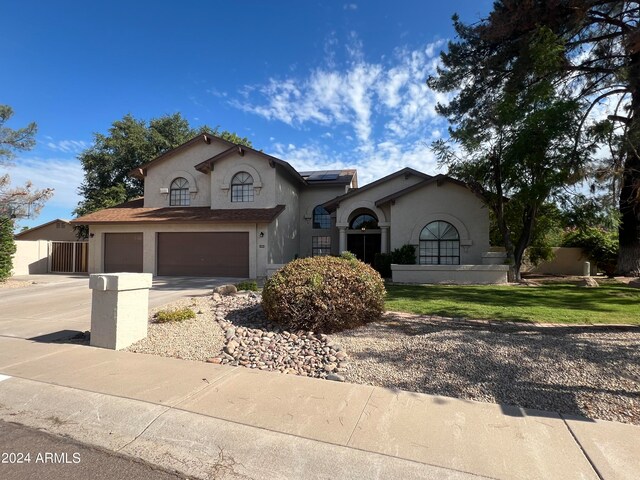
593,371
11,283
232,330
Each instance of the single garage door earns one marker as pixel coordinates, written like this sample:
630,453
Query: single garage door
203,254
122,252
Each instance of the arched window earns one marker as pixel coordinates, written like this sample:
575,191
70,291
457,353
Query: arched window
242,187
179,193
321,218
364,221
439,244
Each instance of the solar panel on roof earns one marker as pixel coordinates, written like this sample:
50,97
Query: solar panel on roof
330,176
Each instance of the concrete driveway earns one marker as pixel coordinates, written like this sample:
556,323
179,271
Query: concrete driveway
59,304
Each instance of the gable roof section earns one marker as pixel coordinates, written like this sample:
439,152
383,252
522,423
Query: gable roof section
134,212
38,227
141,171
438,180
333,204
207,165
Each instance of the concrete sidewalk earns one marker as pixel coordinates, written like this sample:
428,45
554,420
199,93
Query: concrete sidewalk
207,420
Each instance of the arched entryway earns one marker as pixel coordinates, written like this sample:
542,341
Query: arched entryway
364,235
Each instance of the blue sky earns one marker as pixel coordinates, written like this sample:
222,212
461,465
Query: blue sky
320,84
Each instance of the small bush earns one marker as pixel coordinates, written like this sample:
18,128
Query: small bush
324,294
247,285
347,255
382,264
405,255
174,315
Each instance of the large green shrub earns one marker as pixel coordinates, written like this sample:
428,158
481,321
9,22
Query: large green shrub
7,248
324,294
601,246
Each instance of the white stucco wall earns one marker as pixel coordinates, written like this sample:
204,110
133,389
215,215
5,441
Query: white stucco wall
310,197
180,164
257,257
449,202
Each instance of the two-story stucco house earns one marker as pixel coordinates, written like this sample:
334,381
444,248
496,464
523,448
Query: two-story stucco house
213,208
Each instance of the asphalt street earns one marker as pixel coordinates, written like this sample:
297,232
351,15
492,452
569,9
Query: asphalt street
27,453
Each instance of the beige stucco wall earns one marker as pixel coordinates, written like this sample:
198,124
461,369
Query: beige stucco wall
284,231
264,181
257,256
367,199
62,233
311,197
449,202
31,257
180,164
566,261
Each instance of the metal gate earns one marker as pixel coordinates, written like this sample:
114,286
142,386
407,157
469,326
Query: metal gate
68,257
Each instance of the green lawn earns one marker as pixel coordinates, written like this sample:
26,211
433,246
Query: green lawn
555,303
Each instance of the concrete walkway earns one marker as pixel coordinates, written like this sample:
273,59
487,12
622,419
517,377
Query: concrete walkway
214,421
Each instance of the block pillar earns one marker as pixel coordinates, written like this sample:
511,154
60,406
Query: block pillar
384,239
119,308
343,239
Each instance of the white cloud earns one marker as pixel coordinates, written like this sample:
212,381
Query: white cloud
367,100
350,6
67,146
63,175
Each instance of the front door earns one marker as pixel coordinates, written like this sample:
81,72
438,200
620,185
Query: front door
364,246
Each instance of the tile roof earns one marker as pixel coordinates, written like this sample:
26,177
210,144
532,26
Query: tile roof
134,212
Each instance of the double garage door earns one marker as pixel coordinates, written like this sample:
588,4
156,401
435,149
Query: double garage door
202,254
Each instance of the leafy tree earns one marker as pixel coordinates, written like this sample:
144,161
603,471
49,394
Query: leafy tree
12,140
11,198
129,144
598,43
510,137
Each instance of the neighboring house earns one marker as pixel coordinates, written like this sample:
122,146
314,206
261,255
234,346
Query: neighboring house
57,230
214,208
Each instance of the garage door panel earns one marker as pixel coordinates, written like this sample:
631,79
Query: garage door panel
222,254
123,252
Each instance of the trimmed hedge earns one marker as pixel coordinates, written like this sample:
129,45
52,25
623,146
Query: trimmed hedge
324,294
